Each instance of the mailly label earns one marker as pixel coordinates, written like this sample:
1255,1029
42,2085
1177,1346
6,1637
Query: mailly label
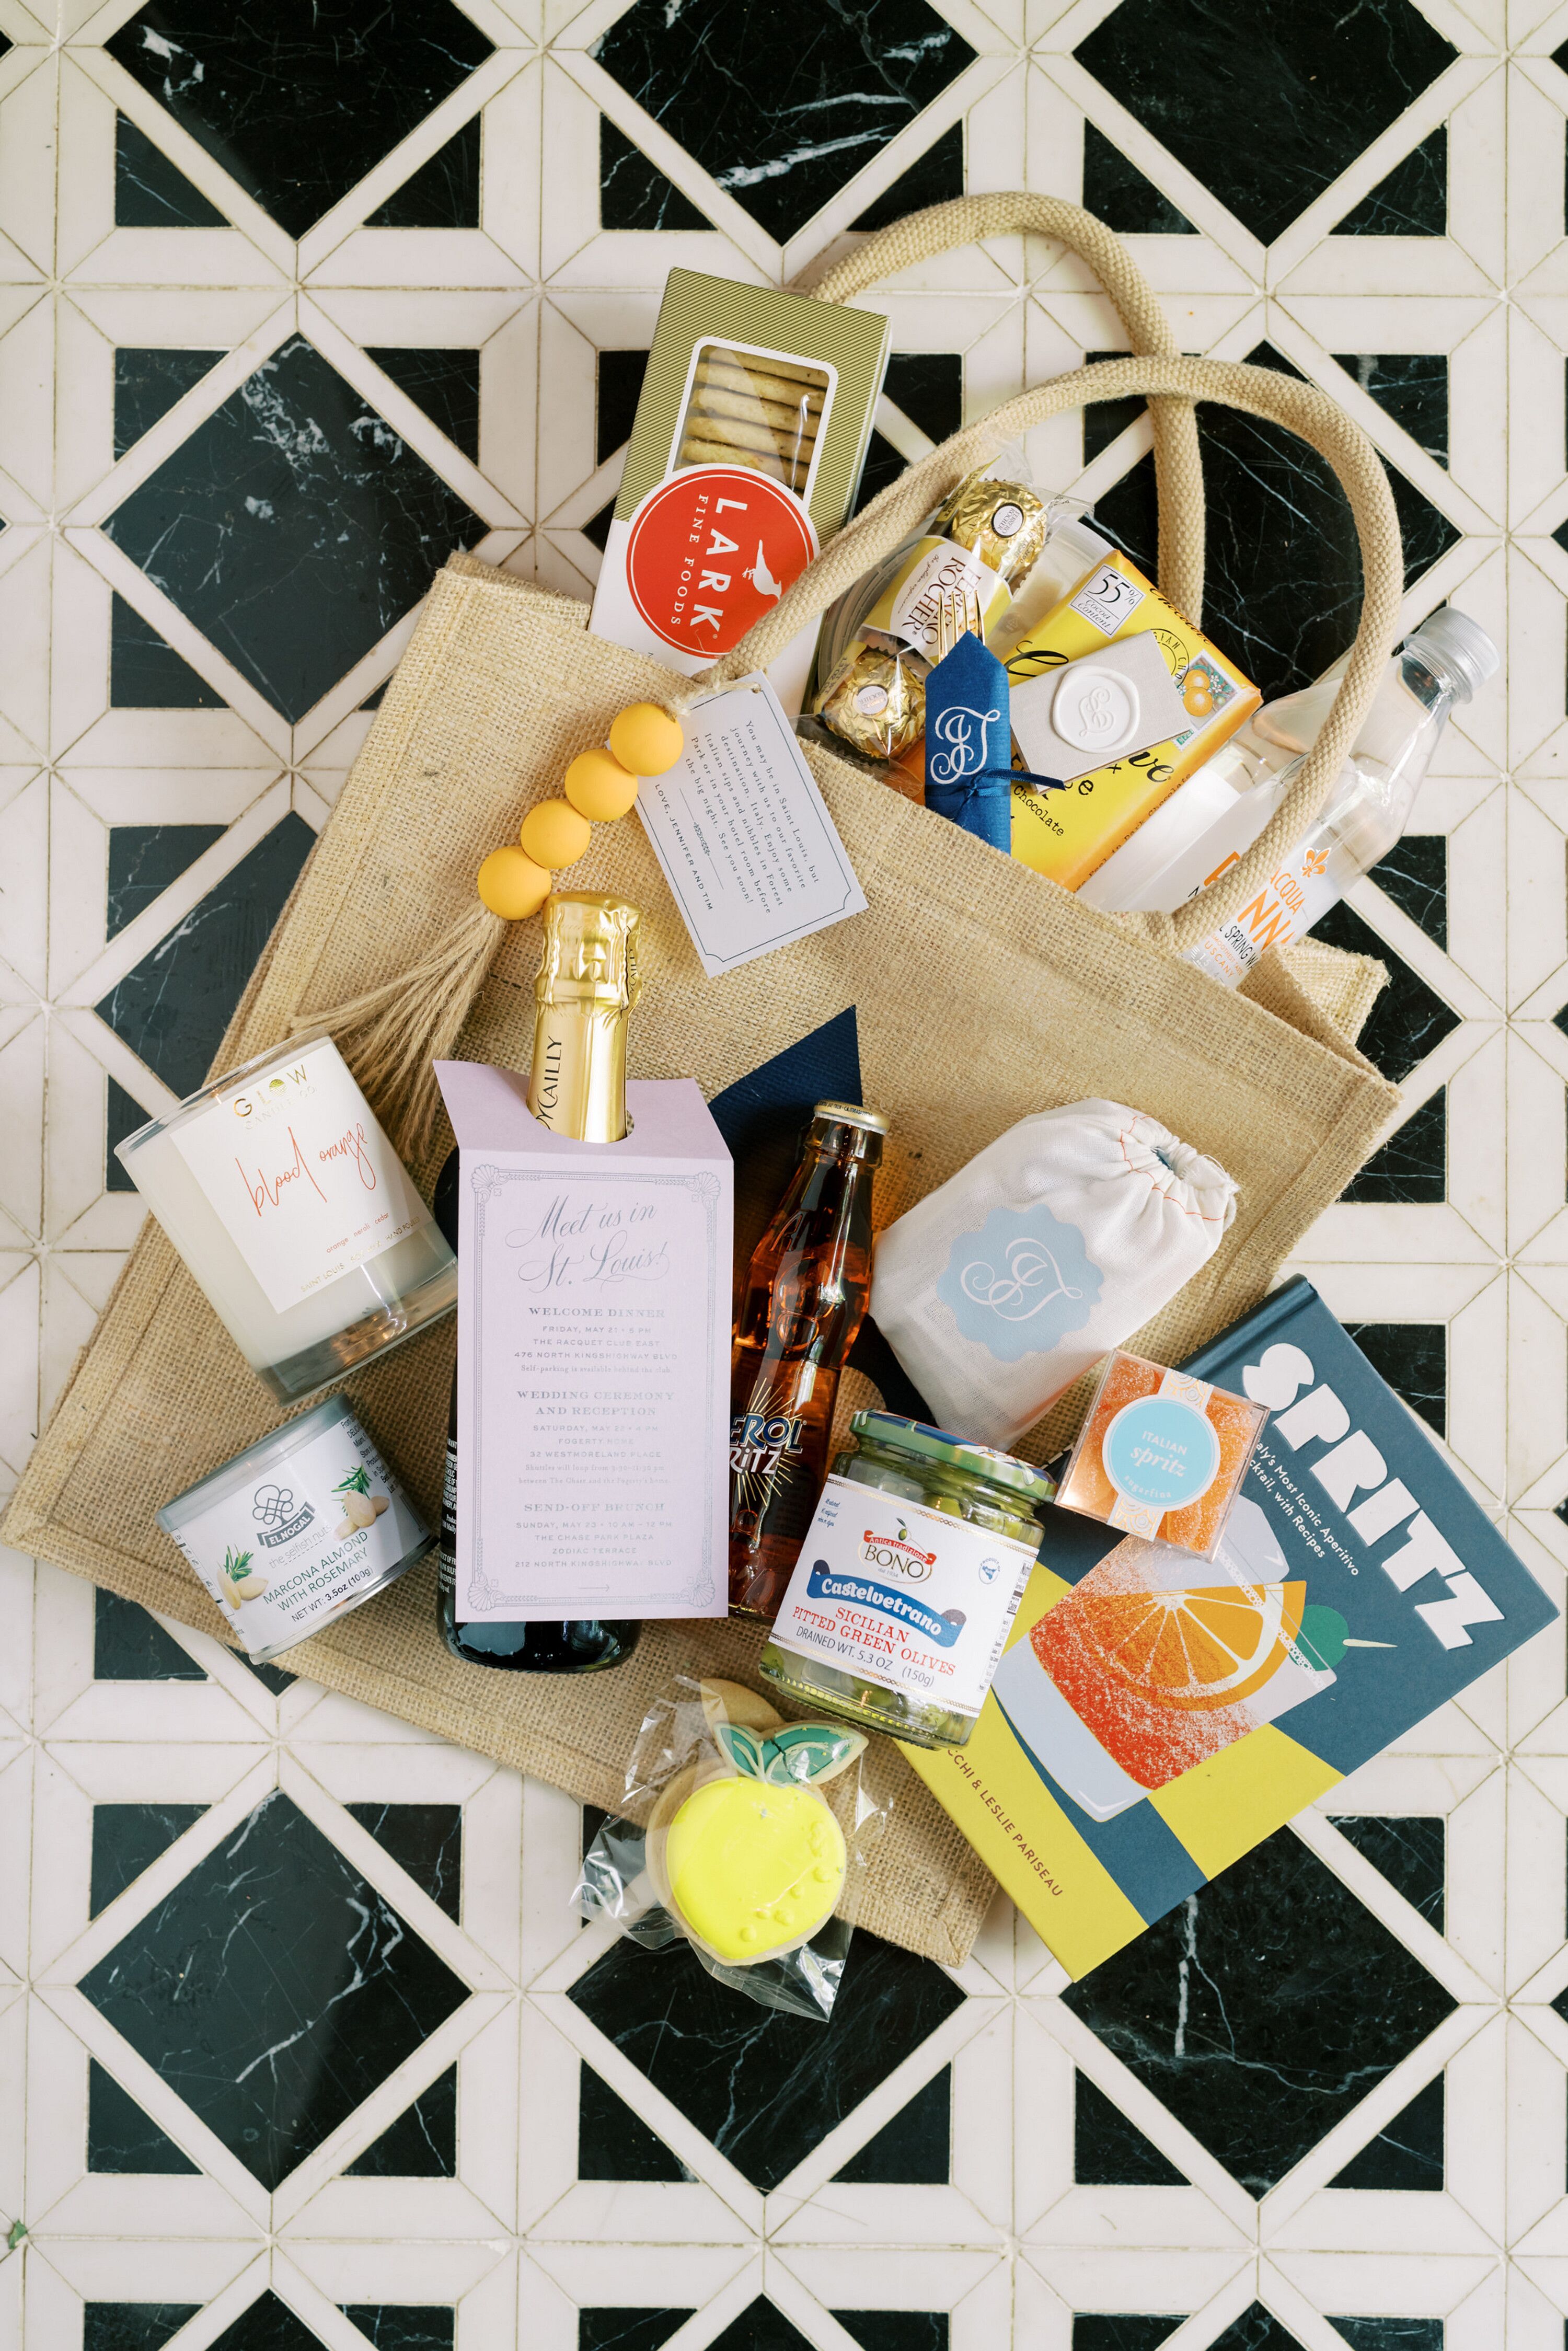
712,549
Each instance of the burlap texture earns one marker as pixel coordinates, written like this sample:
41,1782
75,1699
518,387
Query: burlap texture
982,993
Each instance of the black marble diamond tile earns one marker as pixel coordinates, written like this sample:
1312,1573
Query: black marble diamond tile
147,383
1391,2333
1266,108
298,102
272,1678
145,673
617,377
598,528
403,2326
928,386
761,2327
1283,587
1413,1357
765,2087
1410,1849
1256,2330
1264,2009
1413,1165
1408,2153
426,1840
144,860
915,2149
1413,201
120,2137
174,1006
148,191
273,1989
897,2330
616,2328
268,2325
444,192
422,2143
445,383
1412,387
1122,198
124,1115
935,177
126,1840
613,2143
130,1645
807,96
632,191
1117,2330
1409,1019
1109,2150
1416,876
132,2326
294,526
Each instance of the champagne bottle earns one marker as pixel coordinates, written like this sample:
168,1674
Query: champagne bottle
587,985
805,1299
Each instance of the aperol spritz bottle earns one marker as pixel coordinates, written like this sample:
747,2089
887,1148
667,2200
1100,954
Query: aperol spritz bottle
804,1303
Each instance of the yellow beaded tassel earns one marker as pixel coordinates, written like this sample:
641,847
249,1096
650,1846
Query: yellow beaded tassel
394,1033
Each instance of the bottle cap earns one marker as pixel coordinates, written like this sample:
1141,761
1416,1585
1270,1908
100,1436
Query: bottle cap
1467,653
875,1121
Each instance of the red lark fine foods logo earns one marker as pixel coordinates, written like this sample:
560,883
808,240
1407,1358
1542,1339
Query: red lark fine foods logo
711,551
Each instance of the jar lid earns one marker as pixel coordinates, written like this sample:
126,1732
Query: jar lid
955,1453
231,1475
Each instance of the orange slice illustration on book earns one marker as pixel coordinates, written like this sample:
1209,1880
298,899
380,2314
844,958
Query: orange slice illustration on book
1194,1648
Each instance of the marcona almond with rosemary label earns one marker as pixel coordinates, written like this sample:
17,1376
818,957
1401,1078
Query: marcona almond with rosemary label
298,1529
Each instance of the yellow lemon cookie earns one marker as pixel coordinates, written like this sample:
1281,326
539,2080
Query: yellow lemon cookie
754,1866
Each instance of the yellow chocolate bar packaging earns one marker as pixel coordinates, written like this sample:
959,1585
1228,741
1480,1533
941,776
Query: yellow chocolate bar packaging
1066,835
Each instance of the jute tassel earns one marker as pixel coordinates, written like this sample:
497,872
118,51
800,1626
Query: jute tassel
392,1035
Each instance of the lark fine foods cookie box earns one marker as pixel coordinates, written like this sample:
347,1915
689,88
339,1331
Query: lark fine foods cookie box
752,428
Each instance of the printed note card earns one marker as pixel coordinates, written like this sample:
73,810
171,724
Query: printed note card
591,1476
742,834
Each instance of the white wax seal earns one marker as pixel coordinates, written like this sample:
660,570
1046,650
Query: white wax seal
1093,709
1008,520
871,701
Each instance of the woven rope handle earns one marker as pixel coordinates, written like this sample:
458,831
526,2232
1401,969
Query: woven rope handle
941,228
1257,392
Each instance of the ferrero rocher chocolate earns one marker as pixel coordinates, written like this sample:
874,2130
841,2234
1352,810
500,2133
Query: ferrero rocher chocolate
1001,522
876,702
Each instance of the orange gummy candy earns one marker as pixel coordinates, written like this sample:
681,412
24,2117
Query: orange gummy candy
1235,1421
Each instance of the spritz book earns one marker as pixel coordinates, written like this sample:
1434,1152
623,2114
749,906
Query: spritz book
1155,1715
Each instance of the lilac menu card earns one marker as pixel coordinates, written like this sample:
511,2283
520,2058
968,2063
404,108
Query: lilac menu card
593,1357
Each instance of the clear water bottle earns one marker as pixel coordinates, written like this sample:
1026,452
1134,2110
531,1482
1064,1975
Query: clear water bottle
1447,660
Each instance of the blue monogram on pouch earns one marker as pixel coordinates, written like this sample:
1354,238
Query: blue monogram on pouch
1020,1284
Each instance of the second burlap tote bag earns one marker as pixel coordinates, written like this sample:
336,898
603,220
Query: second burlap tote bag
975,992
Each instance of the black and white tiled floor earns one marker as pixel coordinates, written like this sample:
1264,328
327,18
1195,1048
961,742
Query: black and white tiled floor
299,2044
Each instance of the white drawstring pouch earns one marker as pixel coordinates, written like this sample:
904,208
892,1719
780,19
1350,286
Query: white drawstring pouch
1052,1245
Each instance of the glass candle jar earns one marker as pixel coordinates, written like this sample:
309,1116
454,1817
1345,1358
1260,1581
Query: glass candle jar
909,1577
294,1213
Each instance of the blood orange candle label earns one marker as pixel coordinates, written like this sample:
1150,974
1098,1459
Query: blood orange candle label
910,1597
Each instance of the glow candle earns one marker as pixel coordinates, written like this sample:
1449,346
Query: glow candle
278,1189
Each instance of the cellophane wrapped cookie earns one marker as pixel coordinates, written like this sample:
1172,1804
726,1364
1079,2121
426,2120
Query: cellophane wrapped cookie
740,1833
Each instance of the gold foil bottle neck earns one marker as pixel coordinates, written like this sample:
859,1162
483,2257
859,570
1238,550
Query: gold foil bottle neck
588,982
589,950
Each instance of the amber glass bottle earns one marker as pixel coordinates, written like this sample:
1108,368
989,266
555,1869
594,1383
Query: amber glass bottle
804,1301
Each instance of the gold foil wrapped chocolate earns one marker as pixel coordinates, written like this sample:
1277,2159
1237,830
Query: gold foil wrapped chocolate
876,702
1001,522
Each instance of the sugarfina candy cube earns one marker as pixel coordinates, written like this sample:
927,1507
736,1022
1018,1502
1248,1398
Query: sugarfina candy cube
1161,1454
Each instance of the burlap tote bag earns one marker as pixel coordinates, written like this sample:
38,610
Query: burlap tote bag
973,990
